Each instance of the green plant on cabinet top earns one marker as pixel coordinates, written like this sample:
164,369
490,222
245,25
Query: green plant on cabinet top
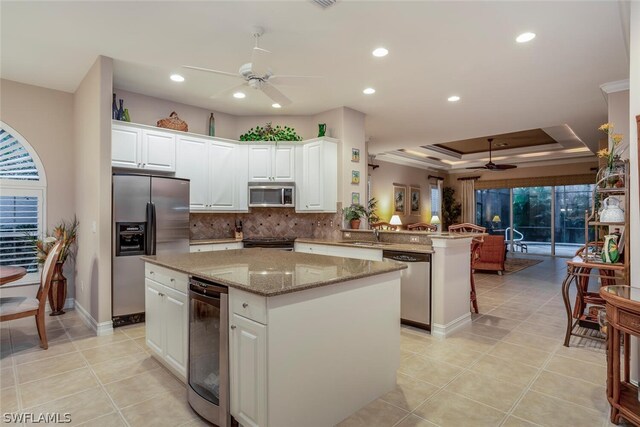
270,133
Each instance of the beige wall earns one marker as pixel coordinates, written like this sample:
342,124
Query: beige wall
92,136
618,104
44,118
382,180
634,110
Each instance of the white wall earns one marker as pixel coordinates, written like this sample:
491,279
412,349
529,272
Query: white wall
92,138
618,106
44,118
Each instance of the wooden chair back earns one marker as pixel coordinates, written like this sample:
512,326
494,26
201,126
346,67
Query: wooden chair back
422,226
47,275
466,227
476,245
382,226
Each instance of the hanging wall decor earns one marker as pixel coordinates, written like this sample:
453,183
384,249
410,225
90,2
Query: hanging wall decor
414,192
355,198
399,199
355,177
355,155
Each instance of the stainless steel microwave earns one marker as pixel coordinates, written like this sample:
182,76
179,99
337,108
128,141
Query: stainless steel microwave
271,195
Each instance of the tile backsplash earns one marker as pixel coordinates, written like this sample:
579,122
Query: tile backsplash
266,222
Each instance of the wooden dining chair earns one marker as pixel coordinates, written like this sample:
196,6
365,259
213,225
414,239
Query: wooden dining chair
422,226
382,226
12,308
476,245
466,227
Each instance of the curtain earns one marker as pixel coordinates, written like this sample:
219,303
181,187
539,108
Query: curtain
468,197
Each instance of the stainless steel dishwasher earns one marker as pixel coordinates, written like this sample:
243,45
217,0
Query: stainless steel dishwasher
415,293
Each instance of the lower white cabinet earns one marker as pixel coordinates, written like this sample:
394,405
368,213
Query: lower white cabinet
166,324
215,247
248,356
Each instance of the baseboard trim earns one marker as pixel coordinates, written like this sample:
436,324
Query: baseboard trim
442,331
103,328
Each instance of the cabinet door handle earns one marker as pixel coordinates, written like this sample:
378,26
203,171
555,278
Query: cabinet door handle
245,305
151,272
173,280
160,294
233,326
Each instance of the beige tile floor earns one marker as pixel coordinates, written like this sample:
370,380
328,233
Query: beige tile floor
508,368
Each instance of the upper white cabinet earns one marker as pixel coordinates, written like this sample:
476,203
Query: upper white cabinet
217,170
136,147
271,162
317,176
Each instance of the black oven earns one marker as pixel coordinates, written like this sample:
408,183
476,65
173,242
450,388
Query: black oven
131,238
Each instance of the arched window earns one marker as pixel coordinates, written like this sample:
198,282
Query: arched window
22,202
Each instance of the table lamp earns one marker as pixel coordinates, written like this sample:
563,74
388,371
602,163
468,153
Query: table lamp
436,221
496,221
395,221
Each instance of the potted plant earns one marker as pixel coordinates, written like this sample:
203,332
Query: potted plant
372,216
615,166
67,233
271,133
451,209
353,214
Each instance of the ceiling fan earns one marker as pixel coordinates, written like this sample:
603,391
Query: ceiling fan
492,166
258,76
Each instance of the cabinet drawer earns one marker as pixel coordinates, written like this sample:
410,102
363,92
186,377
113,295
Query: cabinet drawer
171,278
201,248
249,305
629,320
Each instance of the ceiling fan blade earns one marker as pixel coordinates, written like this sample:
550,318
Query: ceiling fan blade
291,80
477,167
275,94
261,49
259,64
226,92
504,167
224,73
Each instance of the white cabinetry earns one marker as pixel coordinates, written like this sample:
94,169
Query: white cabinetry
215,247
218,173
271,162
248,353
166,317
139,148
317,176
339,251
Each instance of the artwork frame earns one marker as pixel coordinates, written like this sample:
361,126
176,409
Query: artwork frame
355,155
399,199
415,200
355,198
355,177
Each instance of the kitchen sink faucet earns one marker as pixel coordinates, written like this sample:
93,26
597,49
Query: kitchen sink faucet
376,233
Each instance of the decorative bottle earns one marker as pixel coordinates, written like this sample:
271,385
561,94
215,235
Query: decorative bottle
114,108
121,110
212,125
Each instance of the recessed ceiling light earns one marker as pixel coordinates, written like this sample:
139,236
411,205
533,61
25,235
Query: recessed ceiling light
525,37
369,91
239,95
176,78
276,105
454,98
380,52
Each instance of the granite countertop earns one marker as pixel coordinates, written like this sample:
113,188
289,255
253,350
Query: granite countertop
270,272
213,241
387,246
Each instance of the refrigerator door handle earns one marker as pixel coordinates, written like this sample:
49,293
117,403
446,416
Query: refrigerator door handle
151,229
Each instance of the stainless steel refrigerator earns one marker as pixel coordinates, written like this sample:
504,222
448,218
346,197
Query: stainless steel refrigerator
150,216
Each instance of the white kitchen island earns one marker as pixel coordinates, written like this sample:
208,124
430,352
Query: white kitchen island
312,338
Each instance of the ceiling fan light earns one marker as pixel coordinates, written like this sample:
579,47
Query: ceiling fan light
239,95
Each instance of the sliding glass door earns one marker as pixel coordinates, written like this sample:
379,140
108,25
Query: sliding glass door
532,220
546,220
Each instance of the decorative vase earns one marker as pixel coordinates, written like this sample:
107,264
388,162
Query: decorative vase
212,126
611,210
610,253
127,117
355,224
121,110
114,108
57,291
322,129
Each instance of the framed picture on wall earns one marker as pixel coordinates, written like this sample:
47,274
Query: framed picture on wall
355,155
355,177
414,192
399,199
355,198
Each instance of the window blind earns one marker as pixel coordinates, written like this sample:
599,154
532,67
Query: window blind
18,219
15,160
542,181
435,200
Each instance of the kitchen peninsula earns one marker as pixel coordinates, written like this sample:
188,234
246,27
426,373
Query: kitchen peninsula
295,320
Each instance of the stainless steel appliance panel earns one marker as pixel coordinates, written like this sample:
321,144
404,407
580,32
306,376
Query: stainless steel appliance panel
170,198
130,196
415,288
208,373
